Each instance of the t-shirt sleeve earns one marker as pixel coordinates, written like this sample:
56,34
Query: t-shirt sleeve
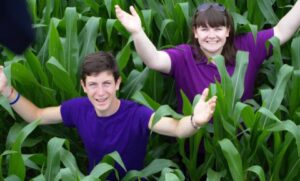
176,55
145,115
69,113
256,47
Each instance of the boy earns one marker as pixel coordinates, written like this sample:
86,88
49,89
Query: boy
104,122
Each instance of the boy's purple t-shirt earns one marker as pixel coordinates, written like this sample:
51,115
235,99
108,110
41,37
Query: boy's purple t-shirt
126,131
193,76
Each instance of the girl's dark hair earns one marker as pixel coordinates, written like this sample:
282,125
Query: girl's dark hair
214,17
98,62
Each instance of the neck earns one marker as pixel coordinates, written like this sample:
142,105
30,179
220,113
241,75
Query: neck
115,105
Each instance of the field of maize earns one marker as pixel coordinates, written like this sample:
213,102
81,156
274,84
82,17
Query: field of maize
254,140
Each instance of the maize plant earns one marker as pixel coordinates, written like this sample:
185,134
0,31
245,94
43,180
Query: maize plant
256,139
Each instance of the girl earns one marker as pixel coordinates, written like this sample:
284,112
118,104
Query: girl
213,34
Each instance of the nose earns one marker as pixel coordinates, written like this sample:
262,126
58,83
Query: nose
211,33
100,90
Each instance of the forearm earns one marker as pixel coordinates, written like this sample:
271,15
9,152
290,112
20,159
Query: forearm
30,112
171,127
27,110
289,24
185,127
154,59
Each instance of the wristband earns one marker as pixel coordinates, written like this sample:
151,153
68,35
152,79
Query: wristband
193,123
16,100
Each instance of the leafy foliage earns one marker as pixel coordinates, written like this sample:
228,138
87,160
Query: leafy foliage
253,140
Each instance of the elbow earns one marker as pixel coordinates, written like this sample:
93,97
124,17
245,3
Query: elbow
181,135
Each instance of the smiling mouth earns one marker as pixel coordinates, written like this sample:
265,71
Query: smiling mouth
101,100
212,42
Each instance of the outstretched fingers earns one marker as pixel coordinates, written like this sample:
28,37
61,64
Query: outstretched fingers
131,21
204,95
3,80
212,103
133,11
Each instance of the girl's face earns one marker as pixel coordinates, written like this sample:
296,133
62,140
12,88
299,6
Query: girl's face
211,39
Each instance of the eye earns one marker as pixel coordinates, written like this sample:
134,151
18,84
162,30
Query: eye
219,28
106,83
203,29
92,84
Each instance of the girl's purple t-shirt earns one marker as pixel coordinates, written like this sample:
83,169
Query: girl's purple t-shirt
126,131
193,76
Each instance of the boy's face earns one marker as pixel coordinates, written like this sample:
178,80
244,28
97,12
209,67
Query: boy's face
101,90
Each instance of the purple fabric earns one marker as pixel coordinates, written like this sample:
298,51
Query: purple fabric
126,131
193,76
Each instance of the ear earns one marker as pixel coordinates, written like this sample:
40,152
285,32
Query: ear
194,32
83,86
227,31
118,83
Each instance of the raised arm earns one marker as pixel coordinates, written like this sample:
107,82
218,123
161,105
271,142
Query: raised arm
157,60
188,125
289,24
26,109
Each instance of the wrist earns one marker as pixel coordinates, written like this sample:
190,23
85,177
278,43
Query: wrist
137,33
193,123
7,92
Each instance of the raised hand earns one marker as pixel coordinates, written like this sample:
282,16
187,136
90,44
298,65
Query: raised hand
131,22
204,110
5,90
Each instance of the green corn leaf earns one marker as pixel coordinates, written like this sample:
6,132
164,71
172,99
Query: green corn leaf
6,152
162,111
254,16
291,127
238,77
155,166
134,82
61,78
280,155
295,53
71,46
5,104
273,99
110,23
88,36
114,157
246,112
100,169
186,105
39,178
266,9
124,55
147,20
163,27
36,67
55,47
225,81
16,162
258,170
70,162
295,83
171,174
54,147
215,176
276,55
145,99
233,159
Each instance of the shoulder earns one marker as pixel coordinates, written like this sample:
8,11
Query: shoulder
265,34
180,47
132,105
77,103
